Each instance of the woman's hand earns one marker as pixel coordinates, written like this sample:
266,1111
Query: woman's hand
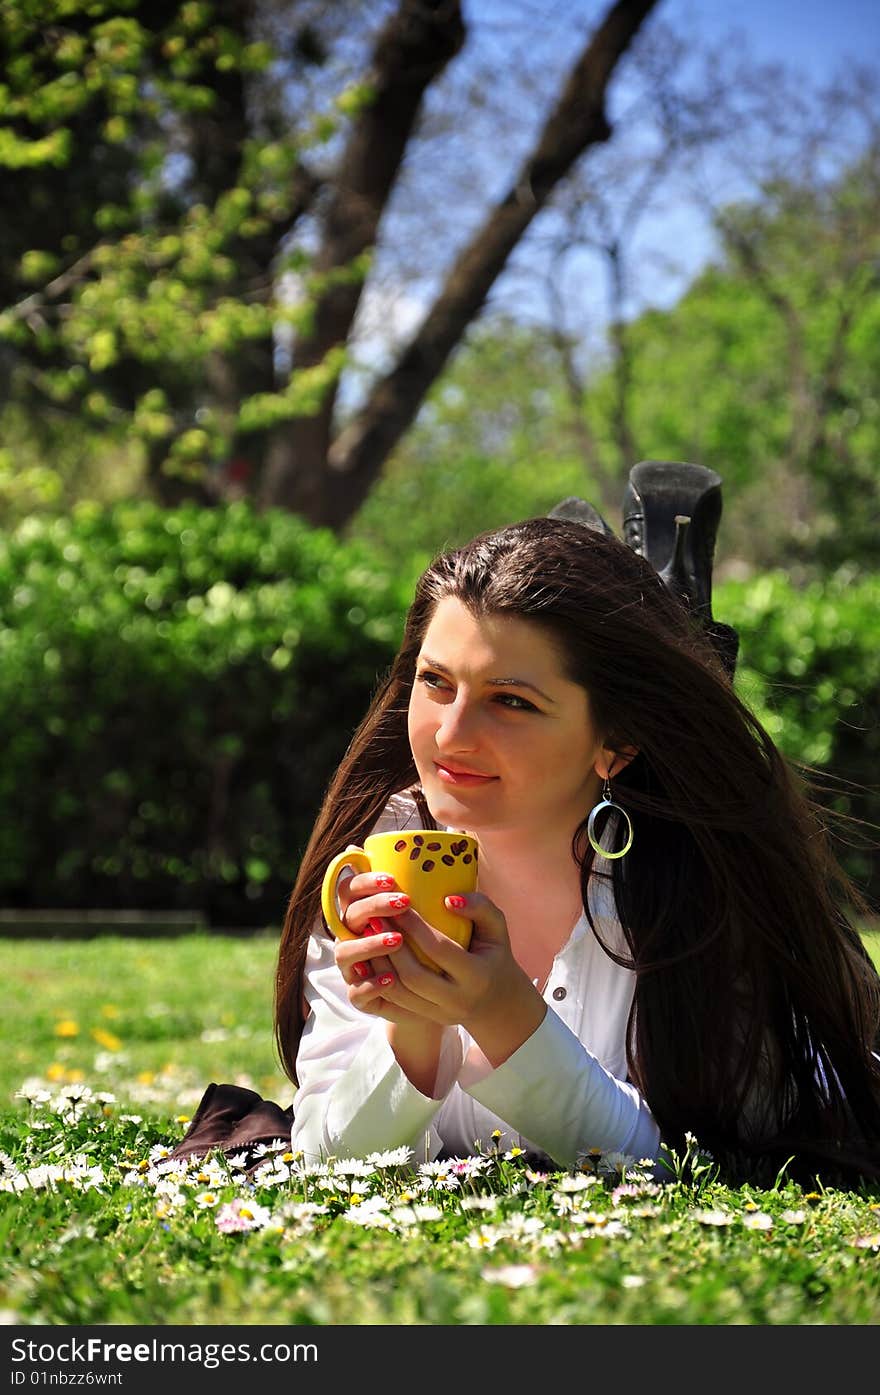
368,903
482,988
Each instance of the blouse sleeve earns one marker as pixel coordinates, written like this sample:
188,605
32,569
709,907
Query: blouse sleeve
556,1093
353,1097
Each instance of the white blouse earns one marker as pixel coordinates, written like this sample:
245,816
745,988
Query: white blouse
561,1093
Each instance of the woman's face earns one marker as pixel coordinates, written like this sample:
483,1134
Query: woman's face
500,737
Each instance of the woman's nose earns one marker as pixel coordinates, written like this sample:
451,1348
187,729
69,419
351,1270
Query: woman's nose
458,728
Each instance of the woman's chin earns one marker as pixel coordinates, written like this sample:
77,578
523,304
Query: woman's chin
445,808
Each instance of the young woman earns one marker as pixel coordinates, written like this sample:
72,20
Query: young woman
661,937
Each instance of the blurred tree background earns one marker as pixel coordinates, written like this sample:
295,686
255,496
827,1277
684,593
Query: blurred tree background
295,293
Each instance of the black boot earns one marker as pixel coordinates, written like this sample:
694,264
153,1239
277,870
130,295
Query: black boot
671,511
579,511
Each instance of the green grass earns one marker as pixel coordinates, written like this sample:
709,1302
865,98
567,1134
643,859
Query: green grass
91,1232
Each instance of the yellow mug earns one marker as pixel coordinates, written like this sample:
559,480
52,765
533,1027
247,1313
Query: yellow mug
426,864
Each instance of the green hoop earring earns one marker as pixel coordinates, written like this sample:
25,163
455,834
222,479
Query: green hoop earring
606,802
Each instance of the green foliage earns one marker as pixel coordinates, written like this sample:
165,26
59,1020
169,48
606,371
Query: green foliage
176,688
47,467
152,161
810,669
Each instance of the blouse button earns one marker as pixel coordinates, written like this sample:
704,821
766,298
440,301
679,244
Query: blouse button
559,994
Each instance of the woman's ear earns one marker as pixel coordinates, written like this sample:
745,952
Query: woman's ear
610,762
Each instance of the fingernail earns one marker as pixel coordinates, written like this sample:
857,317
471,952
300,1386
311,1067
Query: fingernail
384,883
362,970
393,939
377,926
399,903
456,903
386,979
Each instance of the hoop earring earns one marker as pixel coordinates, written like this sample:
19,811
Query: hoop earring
606,802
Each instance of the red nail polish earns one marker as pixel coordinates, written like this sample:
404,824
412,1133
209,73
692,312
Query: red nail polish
362,970
377,926
458,903
386,979
399,903
392,940
384,883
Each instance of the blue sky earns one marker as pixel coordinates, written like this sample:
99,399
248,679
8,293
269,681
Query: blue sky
813,35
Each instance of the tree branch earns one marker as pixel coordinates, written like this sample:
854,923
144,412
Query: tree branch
414,47
577,122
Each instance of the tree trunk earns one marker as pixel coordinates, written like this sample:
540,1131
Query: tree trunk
412,50
329,490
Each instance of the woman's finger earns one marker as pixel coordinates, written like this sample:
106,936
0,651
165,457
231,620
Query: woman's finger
368,956
387,996
365,912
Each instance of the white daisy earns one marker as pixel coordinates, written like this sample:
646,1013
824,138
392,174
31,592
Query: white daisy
393,1157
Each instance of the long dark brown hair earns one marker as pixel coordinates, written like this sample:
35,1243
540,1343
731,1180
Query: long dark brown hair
756,1009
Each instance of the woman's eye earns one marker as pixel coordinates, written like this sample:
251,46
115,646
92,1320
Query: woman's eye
518,704
430,680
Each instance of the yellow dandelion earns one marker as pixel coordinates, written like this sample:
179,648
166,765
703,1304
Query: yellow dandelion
109,1010
106,1039
146,1077
181,1118
56,1071
750,1206
67,1028
73,1076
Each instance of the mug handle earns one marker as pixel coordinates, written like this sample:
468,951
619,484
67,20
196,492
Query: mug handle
352,857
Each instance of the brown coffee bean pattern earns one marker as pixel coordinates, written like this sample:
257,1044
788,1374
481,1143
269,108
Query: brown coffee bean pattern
456,850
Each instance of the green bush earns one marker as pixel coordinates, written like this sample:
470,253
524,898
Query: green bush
176,688
809,667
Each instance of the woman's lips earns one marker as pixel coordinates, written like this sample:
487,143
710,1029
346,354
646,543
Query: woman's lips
461,777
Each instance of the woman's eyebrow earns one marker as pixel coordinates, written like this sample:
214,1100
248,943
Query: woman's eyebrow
494,682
